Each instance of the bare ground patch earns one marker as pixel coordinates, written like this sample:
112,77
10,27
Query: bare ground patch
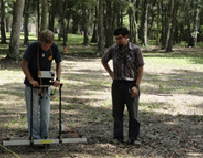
172,93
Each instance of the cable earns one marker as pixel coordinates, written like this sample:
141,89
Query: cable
10,151
73,133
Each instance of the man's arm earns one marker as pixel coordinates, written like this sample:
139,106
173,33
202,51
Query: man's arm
138,81
27,73
58,70
139,75
107,68
58,73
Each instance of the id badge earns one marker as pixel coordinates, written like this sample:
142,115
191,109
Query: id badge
43,54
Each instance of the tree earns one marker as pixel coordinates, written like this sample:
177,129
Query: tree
118,13
26,20
157,33
167,23
107,25
62,20
95,29
133,22
84,23
3,33
144,21
188,18
38,20
44,12
53,12
101,27
151,20
15,34
172,29
196,22
75,21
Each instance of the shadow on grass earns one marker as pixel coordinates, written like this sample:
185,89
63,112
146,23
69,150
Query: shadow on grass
194,56
179,82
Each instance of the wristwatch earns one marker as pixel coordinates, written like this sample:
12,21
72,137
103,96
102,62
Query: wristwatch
136,86
58,78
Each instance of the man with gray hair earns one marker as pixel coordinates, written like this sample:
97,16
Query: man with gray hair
37,58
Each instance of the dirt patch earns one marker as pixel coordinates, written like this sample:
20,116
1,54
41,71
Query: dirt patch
86,107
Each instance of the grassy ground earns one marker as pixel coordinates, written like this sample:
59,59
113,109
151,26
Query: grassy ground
171,90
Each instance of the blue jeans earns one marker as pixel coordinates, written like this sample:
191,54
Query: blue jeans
39,131
121,96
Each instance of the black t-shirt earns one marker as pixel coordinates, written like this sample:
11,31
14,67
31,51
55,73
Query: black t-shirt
44,60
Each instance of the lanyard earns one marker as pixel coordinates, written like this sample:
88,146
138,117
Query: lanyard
50,58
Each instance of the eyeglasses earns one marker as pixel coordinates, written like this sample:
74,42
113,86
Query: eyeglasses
119,38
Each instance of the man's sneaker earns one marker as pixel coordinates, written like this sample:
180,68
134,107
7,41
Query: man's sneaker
136,142
117,141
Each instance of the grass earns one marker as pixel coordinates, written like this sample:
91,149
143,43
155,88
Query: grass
151,106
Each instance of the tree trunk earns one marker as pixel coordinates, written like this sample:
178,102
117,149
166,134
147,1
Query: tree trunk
38,20
196,23
121,16
26,20
76,20
114,25
157,32
64,5
200,35
133,23
137,11
15,34
135,30
108,28
49,19
172,29
188,17
3,33
53,12
101,27
162,21
95,30
68,24
7,23
85,26
144,21
44,12
152,20
168,23
176,35
118,14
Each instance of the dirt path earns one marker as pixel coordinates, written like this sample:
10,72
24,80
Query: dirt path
86,101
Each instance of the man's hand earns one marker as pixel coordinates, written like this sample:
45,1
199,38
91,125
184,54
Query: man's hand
57,83
134,91
34,83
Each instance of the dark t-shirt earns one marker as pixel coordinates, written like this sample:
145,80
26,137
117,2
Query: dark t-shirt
44,60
